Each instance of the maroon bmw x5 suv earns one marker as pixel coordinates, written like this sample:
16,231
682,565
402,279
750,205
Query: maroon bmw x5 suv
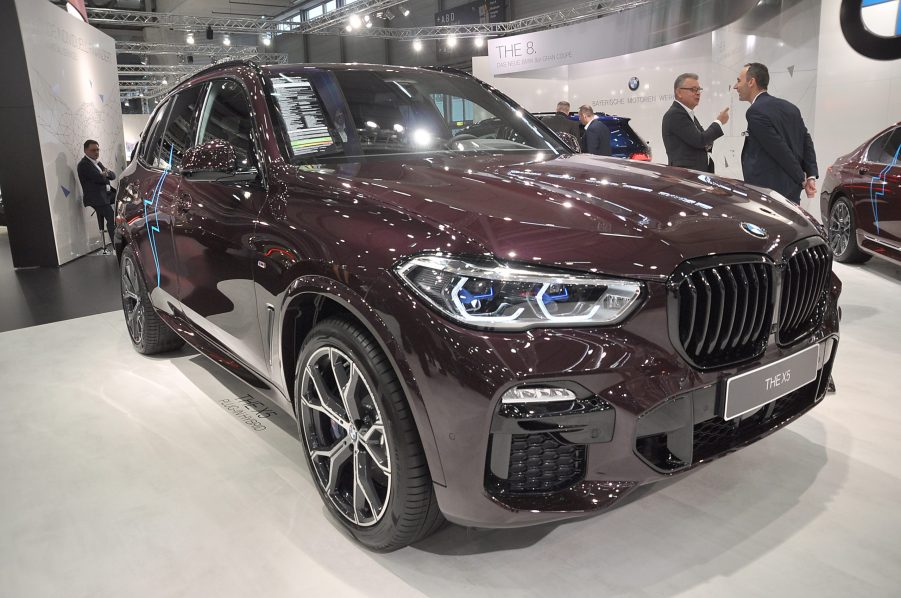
486,328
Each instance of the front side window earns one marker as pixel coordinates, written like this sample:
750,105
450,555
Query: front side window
226,116
401,112
179,135
150,144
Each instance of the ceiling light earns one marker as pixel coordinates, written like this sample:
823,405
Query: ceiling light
267,40
355,21
366,18
165,82
189,38
417,45
348,28
405,12
226,40
126,103
368,24
451,41
479,42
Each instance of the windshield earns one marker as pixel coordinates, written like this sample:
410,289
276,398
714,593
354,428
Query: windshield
351,114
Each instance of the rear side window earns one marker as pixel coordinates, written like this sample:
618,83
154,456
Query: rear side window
150,144
179,135
885,147
226,116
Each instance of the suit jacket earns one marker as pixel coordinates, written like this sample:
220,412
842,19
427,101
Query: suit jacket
685,142
596,139
778,151
93,184
561,123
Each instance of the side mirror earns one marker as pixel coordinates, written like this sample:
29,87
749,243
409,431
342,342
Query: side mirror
214,161
571,142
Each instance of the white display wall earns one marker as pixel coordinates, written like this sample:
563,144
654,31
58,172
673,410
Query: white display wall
72,73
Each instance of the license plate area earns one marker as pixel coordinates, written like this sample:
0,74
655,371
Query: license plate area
752,390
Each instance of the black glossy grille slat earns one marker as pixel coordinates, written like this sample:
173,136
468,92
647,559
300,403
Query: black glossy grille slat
542,463
724,312
803,289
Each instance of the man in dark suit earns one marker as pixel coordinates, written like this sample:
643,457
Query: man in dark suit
560,122
94,178
687,143
778,151
596,138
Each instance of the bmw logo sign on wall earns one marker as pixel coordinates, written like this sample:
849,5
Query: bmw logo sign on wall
634,83
872,27
754,230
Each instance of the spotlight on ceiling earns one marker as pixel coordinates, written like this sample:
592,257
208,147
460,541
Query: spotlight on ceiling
451,41
189,38
366,18
368,24
417,45
209,32
126,103
355,21
267,39
226,40
348,28
165,82
405,11
388,14
479,42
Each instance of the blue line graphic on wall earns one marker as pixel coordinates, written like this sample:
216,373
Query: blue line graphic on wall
155,228
882,179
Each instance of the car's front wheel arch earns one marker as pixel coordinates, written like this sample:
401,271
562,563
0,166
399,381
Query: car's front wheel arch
314,299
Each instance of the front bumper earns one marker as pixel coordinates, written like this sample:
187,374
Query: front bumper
506,469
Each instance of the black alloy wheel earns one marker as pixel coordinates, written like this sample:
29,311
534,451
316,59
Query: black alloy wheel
361,443
148,333
842,233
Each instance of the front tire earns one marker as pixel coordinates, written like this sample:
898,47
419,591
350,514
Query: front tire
361,443
149,334
843,233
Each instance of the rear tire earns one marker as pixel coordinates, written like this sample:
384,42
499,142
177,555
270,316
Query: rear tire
360,440
843,233
148,333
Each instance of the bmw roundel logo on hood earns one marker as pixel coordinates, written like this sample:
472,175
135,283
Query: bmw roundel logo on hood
754,230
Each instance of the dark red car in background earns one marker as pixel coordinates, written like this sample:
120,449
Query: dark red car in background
493,330
861,200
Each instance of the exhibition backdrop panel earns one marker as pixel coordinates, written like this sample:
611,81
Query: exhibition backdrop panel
60,88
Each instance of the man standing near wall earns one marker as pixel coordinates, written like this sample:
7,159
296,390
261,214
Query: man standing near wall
97,193
778,151
687,143
596,139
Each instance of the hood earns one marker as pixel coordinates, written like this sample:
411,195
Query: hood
582,212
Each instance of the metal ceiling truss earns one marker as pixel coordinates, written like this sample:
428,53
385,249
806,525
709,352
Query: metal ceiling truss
557,18
113,17
214,51
335,22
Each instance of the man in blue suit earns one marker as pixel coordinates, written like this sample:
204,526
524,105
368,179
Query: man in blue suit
596,138
778,151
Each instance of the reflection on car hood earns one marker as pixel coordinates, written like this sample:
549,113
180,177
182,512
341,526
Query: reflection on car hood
582,211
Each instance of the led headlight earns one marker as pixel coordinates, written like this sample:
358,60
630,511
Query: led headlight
490,294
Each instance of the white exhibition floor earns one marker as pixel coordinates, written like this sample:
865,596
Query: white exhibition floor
128,476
